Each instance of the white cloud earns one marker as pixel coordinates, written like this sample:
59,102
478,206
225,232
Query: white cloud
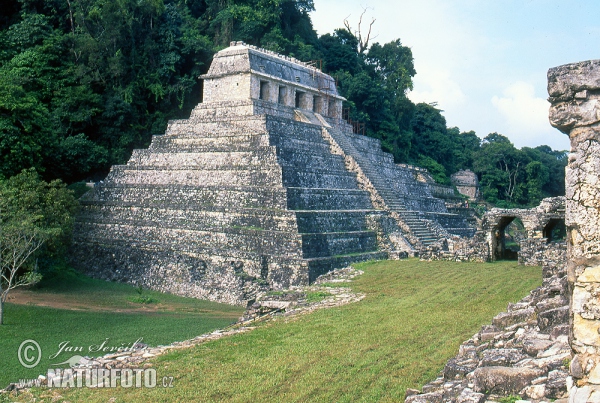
525,115
436,85
467,51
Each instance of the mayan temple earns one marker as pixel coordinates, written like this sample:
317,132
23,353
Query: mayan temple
264,186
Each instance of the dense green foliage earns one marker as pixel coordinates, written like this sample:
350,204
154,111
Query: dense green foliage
84,82
36,219
37,210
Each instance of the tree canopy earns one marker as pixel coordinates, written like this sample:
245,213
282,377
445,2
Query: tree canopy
84,82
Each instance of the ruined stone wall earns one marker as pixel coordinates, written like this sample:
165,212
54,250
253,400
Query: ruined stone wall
537,249
574,91
538,252
466,183
524,351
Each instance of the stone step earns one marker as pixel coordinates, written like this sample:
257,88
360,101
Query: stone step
309,146
296,133
338,243
242,240
191,218
293,147
327,199
171,195
319,179
196,145
298,160
189,140
331,221
201,160
121,174
213,128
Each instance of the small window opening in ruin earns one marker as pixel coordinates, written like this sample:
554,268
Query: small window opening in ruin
508,236
281,98
555,230
316,104
331,111
298,101
264,90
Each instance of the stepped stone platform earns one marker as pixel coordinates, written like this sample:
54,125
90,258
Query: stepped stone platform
264,186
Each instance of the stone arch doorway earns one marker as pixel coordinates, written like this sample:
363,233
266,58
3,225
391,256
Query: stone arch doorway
507,236
525,234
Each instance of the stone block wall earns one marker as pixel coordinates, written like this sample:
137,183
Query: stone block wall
538,252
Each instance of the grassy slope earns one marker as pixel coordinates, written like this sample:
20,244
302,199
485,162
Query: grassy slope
171,319
413,319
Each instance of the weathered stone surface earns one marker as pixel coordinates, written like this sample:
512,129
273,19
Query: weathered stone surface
574,91
553,317
504,380
535,391
506,319
555,385
412,392
466,183
433,397
469,396
459,368
501,356
534,345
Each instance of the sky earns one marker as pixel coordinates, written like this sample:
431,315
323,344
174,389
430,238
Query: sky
484,62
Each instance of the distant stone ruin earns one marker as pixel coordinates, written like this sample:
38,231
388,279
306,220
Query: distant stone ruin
541,242
466,183
264,186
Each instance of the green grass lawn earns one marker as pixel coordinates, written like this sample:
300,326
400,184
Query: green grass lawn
413,319
105,314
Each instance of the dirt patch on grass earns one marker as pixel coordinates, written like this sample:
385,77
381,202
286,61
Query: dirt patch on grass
79,303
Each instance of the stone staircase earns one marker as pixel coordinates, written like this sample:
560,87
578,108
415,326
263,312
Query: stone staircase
393,203
400,191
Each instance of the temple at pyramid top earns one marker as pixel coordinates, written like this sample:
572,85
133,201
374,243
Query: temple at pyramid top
275,84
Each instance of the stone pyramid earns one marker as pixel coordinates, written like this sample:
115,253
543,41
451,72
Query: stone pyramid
263,187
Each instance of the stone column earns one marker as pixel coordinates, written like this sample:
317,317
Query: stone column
574,91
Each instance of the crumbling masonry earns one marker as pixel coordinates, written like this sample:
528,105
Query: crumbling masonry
574,91
263,186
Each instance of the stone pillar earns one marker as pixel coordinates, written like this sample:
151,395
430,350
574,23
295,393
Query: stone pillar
574,91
